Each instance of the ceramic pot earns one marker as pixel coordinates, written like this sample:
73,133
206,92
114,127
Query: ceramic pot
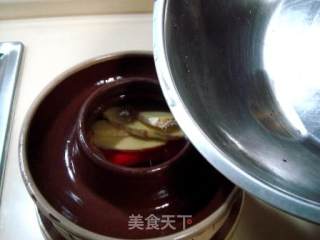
87,198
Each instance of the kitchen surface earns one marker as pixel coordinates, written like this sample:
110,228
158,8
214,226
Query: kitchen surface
54,44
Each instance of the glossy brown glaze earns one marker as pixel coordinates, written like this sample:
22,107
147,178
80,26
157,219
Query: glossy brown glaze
101,201
222,234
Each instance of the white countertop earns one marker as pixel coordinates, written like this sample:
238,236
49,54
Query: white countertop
52,45
14,9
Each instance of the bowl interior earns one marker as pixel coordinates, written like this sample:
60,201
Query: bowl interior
239,72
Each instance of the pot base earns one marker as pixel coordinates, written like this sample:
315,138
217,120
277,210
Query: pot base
50,232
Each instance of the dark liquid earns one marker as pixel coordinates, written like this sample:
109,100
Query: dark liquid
145,158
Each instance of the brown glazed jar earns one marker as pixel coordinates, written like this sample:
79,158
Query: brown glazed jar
81,195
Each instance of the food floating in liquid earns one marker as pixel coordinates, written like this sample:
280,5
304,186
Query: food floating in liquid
132,122
161,120
107,136
129,137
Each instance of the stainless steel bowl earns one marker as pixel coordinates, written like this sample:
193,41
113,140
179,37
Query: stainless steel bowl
242,78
